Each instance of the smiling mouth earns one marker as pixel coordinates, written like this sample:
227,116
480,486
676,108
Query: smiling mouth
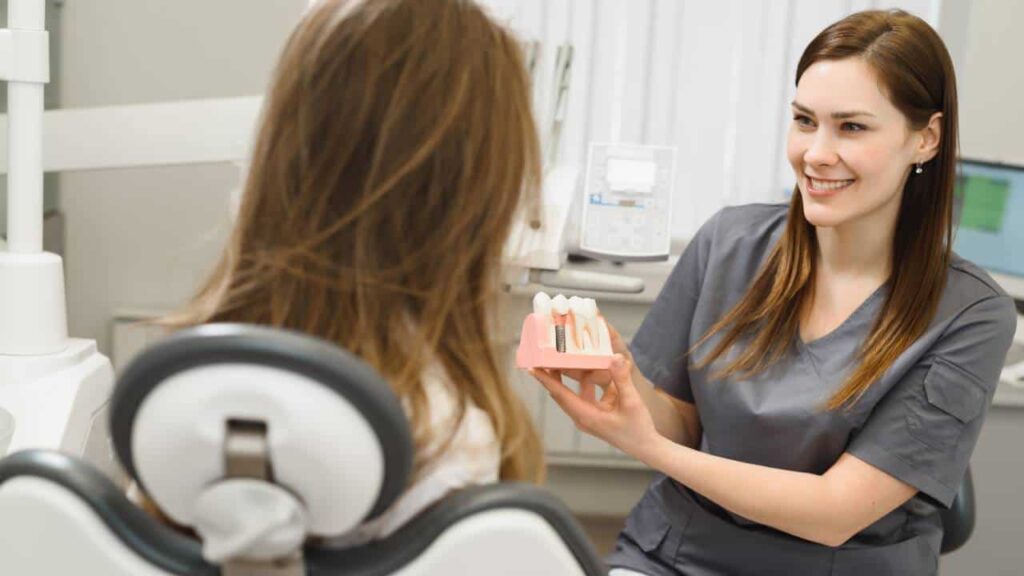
815,186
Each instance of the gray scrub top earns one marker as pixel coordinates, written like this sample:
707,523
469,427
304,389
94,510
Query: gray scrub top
919,422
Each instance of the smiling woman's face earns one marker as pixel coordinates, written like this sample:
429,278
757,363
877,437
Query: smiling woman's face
851,149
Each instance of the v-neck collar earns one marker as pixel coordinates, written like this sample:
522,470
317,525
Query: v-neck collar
851,319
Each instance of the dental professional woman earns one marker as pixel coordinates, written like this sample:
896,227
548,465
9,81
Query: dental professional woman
812,379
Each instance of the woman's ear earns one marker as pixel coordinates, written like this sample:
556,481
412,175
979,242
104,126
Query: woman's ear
931,137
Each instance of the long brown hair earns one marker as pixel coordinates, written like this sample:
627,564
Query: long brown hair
395,149
916,73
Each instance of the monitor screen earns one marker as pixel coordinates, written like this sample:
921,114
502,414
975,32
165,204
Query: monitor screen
990,208
626,175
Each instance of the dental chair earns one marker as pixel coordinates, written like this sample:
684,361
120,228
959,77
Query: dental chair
958,521
260,444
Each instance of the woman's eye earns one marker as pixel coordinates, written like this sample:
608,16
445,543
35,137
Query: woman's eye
853,127
802,120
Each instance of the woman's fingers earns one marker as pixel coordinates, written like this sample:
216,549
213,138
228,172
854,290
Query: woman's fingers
600,378
549,378
587,392
621,370
609,400
594,377
577,409
576,374
546,375
618,343
619,418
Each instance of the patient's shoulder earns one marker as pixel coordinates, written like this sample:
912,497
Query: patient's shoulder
473,433
461,452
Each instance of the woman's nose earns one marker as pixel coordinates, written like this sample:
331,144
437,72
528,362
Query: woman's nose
822,151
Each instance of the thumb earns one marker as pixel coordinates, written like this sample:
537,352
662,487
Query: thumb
621,374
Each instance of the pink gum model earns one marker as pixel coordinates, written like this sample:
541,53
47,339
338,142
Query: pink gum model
536,350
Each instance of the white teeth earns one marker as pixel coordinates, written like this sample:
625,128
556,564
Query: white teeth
542,308
829,184
542,304
586,333
593,328
560,305
579,324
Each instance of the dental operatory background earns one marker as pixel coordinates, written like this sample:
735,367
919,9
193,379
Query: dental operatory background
682,102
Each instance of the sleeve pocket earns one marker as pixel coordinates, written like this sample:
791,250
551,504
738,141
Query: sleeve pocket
951,398
954,391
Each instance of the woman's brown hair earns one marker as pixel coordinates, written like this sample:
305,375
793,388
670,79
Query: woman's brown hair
916,73
395,149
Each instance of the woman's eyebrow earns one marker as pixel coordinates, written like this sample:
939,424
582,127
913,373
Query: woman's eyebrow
800,107
834,115
851,114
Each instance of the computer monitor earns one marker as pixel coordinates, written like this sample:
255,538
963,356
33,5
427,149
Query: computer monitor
990,211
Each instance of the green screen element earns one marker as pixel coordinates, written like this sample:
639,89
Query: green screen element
984,202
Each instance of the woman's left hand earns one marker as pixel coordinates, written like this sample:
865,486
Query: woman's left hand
620,417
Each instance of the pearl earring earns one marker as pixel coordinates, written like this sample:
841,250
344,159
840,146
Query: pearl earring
920,169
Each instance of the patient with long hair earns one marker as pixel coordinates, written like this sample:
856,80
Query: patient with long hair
395,151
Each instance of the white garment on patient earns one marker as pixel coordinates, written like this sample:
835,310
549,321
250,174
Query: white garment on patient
472,457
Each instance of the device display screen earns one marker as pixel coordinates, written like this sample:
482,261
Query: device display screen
631,176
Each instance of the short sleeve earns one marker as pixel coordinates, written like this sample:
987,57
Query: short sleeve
660,345
924,430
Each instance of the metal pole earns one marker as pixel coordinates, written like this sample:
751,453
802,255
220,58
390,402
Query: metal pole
25,143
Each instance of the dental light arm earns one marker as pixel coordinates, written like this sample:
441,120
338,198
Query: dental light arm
32,308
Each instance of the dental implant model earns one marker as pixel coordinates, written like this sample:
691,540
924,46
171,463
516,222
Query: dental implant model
564,333
559,311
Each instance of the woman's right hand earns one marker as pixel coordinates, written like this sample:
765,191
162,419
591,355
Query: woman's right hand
674,419
589,379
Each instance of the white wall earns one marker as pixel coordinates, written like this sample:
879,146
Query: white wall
713,78
135,51
992,83
144,238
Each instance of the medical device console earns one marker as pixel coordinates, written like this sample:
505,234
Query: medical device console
627,202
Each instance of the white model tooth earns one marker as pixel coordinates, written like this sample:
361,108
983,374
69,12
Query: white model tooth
593,324
542,304
560,305
542,307
604,336
579,324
